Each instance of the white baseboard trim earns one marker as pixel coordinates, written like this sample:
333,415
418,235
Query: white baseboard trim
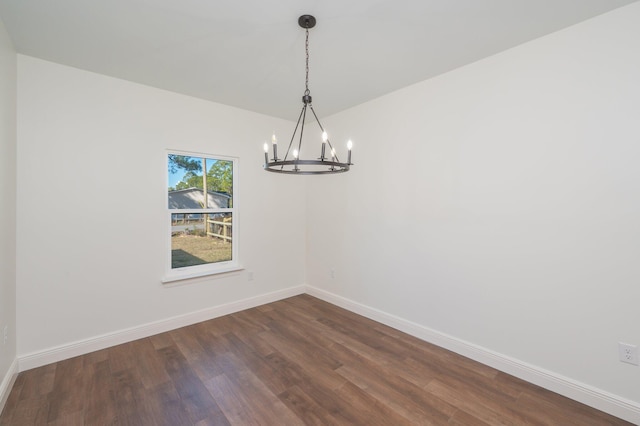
70,350
589,395
7,383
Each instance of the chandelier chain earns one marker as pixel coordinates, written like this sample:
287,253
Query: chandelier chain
306,47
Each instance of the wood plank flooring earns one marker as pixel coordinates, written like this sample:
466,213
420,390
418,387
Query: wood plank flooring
299,361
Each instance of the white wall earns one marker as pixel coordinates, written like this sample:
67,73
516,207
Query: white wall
507,219
7,209
91,206
499,204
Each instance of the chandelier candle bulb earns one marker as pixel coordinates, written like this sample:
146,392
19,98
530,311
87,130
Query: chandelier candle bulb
349,146
325,137
274,141
266,154
295,158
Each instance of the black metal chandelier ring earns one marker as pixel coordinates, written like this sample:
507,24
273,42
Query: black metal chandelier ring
333,167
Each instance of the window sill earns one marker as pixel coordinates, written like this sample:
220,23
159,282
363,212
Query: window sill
181,276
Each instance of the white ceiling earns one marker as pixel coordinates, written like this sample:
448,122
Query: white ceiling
250,54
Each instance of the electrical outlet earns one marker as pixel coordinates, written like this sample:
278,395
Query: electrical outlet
628,353
5,334
332,272
250,275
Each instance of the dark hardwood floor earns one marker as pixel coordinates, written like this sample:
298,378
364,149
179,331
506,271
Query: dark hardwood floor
293,362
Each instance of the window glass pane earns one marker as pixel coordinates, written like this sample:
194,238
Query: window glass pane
200,238
187,185
220,182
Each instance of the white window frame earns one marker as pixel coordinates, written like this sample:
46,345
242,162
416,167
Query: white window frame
187,272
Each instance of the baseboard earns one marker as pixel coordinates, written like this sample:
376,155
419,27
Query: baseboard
593,397
7,383
59,353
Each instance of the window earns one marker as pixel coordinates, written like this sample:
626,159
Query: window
201,211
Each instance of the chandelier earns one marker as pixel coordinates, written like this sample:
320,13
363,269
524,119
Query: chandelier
292,163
